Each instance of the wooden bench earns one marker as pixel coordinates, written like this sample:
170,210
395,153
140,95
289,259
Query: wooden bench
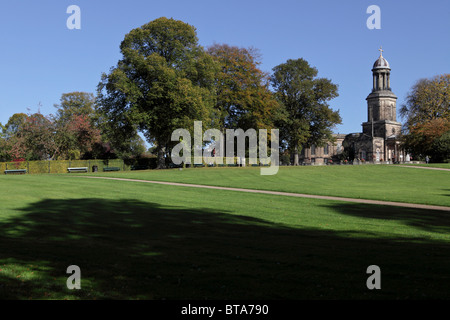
111,169
19,171
79,169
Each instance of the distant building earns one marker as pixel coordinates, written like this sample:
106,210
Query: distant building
323,155
379,140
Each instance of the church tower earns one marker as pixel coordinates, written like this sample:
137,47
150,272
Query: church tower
380,140
381,103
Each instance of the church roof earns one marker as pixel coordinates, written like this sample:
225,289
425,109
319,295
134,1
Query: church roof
381,62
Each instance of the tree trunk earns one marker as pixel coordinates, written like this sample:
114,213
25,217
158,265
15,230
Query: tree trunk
161,159
296,155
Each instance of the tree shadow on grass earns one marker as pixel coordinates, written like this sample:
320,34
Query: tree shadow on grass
427,220
129,249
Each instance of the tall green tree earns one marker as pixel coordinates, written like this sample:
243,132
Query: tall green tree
75,104
163,82
3,144
15,122
305,98
75,124
243,96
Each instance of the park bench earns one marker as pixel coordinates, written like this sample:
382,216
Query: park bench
111,169
198,165
79,169
20,171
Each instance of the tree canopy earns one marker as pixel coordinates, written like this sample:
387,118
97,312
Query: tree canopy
75,104
305,98
164,81
427,114
243,96
15,122
428,99
70,134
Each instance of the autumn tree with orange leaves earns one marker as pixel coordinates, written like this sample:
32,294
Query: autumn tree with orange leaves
427,114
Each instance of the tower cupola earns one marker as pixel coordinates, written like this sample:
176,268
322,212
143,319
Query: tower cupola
381,72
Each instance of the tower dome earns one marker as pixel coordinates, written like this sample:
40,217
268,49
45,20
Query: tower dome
381,74
381,62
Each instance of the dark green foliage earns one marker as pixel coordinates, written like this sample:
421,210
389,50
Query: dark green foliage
243,96
309,119
75,104
440,150
163,82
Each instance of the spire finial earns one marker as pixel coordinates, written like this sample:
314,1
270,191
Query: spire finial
381,51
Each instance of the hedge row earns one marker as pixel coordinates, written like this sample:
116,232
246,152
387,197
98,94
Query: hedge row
60,166
232,160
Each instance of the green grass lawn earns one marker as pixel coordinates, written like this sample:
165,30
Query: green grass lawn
144,241
432,165
378,182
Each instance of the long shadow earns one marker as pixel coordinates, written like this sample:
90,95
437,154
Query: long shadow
428,220
139,250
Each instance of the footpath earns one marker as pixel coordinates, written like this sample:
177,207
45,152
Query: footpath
289,194
431,168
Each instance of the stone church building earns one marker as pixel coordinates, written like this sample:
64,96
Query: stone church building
379,140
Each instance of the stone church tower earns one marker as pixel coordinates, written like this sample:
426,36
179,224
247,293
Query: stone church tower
379,140
381,103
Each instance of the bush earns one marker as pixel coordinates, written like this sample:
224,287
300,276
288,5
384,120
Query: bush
441,148
74,154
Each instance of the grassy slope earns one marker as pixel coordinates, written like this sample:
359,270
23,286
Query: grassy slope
432,165
134,240
390,183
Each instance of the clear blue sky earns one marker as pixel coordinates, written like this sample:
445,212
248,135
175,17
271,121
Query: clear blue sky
42,59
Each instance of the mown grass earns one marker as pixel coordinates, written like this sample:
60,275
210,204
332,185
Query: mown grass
377,182
143,241
431,165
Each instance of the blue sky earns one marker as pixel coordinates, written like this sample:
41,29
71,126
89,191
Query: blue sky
41,58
